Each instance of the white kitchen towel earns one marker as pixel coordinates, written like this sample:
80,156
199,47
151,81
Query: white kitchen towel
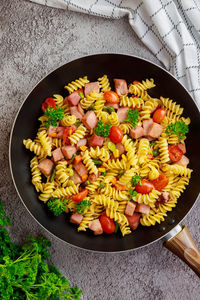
170,29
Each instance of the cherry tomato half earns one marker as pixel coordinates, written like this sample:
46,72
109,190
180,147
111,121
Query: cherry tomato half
49,102
161,182
111,97
159,115
80,196
145,188
175,153
107,224
116,134
67,132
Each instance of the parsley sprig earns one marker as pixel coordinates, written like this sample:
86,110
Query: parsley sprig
57,206
136,179
54,115
133,117
179,128
82,205
24,272
101,129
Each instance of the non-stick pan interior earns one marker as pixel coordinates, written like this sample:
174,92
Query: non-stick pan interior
26,124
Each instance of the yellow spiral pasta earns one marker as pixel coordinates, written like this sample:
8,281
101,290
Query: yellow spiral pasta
92,187
77,135
114,120
62,172
126,177
125,127
177,170
58,99
77,84
68,191
68,120
120,218
36,174
45,142
105,201
89,163
101,153
104,83
143,150
90,99
131,101
114,194
152,219
125,230
148,199
139,87
99,105
34,147
47,191
163,148
171,106
58,143
117,164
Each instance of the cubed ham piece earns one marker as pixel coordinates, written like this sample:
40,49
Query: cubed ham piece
130,208
46,166
51,130
114,105
120,148
73,99
155,130
80,109
95,226
68,151
59,131
80,169
163,198
96,140
142,208
81,142
76,178
121,87
137,132
184,161
134,220
146,125
74,111
76,218
93,177
57,155
90,119
182,147
122,113
91,87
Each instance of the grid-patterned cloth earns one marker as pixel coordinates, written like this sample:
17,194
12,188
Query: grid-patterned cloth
170,29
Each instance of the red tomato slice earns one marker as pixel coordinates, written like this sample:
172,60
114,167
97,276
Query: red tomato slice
116,134
159,115
175,153
134,220
49,102
161,182
80,196
135,82
107,224
111,97
67,132
145,188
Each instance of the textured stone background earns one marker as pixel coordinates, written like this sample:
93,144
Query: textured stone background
34,41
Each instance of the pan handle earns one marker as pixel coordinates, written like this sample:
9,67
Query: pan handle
183,245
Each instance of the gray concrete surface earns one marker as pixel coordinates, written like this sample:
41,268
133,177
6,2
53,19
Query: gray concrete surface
35,40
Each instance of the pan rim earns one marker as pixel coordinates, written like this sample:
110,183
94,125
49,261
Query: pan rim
11,169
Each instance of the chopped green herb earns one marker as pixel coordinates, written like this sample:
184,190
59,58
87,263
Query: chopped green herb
156,152
97,162
57,206
179,128
78,123
132,194
121,172
101,129
81,95
54,115
73,156
103,173
109,109
136,179
153,143
53,174
116,226
92,108
133,117
87,182
102,185
24,272
82,205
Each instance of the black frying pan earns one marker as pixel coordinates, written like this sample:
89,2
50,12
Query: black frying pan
26,124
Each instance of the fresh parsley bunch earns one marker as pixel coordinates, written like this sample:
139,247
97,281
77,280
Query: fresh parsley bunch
82,205
101,129
133,117
136,179
179,128
54,115
57,206
24,272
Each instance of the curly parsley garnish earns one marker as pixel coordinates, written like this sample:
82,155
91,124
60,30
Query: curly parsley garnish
54,115
132,194
136,179
82,205
133,117
57,206
101,129
179,128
